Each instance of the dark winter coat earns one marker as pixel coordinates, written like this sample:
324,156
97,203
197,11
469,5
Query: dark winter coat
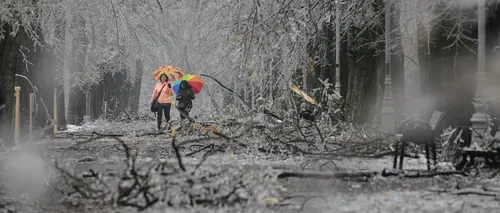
185,95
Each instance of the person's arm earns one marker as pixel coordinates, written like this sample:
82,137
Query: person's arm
153,96
170,91
191,94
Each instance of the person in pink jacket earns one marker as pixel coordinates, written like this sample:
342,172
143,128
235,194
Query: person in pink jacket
164,100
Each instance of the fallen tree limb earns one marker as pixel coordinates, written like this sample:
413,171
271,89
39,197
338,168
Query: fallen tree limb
161,8
49,118
391,152
369,174
150,134
491,189
141,187
177,152
468,191
230,139
382,154
93,137
319,132
326,175
228,89
100,135
419,174
210,146
269,112
302,206
474,191
96,135
197,139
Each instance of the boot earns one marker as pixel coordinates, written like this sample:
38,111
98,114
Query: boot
167,126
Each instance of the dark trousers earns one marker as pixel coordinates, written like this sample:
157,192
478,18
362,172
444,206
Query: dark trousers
184,108
163,109
184,111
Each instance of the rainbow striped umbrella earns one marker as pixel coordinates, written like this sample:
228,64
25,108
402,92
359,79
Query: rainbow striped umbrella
193,80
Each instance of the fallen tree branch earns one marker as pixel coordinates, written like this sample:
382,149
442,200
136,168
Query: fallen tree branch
150,134
307,163
491,189
382,154
326,175
205,156
269,112
92,138
211,146
302,206
161,8
475,191
297,124
391,152
227,88
369,174
420,174
468,191
100,135
319,132
177,152
229,139
198,139
49,118
127,151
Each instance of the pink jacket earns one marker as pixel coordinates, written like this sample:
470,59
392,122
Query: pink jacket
165,93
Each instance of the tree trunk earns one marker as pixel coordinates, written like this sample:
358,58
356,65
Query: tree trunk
24,69
97,98
61,108
363,85
68,58
115,91
493,64
136,89
448,73
76,106
344,68
397,65
426,83
7,79
330,56
76,103
364,74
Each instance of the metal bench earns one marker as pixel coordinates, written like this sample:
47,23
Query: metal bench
420,132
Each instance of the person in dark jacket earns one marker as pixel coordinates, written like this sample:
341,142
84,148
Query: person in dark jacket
185,97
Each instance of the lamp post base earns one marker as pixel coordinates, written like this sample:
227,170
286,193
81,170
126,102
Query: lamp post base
480,124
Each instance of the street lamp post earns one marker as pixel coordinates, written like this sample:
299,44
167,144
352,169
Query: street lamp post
388,114
480,119
337,47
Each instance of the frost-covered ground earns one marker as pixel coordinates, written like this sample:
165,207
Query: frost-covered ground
27,173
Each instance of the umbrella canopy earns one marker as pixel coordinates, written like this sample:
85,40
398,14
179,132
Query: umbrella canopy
173,73
193,80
